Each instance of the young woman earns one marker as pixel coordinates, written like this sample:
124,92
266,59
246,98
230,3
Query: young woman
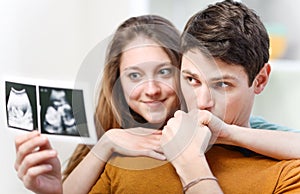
140,88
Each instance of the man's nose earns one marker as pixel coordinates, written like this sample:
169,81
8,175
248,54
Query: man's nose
204,98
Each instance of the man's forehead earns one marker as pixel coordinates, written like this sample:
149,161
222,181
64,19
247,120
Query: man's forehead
196,62
198,65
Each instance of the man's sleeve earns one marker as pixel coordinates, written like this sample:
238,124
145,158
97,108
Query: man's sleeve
289,180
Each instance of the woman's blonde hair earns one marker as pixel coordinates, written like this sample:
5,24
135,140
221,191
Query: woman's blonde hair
112,110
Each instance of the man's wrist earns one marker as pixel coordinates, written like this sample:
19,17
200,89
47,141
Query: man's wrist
192,169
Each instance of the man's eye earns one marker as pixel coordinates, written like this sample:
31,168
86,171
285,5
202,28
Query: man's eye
222,84
191,80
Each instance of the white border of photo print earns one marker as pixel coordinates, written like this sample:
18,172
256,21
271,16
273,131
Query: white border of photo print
54,108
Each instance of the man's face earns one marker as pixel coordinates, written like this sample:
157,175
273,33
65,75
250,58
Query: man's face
218,87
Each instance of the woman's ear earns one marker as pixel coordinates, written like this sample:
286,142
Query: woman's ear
262,79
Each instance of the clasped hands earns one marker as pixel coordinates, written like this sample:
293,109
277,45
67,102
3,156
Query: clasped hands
185,134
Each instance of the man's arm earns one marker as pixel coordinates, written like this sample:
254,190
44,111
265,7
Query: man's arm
184,143
262,141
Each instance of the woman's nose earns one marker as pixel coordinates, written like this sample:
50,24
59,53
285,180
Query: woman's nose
152,88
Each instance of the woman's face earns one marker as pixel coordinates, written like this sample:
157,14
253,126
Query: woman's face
148,81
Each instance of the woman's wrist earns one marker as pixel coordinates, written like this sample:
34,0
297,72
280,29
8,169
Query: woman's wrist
103,149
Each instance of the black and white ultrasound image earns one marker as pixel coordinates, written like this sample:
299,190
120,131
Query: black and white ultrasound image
62,112
21,106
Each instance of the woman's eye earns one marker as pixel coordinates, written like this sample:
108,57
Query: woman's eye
134,76
166,71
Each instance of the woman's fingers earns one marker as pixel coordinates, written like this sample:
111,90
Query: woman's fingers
29,179
31,145
19,140
155,155
34,160
134,142
143,131
37,164
158,149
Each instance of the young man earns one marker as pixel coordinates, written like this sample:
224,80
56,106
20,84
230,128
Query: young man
225,64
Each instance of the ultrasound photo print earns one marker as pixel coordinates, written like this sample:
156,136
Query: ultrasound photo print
62,112
21,106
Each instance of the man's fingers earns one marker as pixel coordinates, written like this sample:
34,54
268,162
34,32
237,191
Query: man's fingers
177,135
205,145
205,117
178,113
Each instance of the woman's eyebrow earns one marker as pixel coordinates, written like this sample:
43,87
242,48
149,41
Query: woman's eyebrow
131,68
160,64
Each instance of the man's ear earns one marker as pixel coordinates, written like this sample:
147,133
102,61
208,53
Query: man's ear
262,78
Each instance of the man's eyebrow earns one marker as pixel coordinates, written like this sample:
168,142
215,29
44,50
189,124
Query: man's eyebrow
224,77
190,73
217,78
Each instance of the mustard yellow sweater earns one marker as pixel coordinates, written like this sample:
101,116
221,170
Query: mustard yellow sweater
236,173
140,175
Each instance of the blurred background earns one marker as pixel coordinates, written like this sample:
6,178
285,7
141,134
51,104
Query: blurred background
49,39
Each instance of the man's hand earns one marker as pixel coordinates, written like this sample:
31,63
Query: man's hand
185,136
220,130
